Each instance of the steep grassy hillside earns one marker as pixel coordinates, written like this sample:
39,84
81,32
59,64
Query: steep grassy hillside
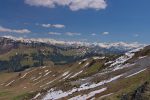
20,55
100,78
47,72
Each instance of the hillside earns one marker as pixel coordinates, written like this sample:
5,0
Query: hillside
20,54
99,77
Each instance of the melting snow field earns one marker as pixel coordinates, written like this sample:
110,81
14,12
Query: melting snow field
114,65
119,62
87,96
123,66
85,86
122,59
57,94
60,94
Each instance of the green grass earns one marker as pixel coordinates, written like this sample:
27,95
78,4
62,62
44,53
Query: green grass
27,62
18,51
5,93
96,67
71,52
128,85
24,96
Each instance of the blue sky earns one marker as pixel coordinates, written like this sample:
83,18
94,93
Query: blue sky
85,20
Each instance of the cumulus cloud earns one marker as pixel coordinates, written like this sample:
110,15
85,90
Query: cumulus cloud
74,5
105,33
53,25
20,31
54,33
72,34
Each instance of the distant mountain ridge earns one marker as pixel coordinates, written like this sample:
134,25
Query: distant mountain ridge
119,45
17,54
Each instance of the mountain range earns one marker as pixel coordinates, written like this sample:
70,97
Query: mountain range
45,69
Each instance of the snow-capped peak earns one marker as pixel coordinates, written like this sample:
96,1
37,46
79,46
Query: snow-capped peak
118,45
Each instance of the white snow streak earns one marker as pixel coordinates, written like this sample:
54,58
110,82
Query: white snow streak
136,73
87,96
59,94
10,83
76,74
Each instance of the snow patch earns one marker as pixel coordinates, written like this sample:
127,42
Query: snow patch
64,74
106,95
84,59
27,73
123,66
24,75
43,67
79,63
95,58
136,73
53,95
37,78
67,76
76,74
86,64
60,94
119,62
37,96
86,86
47,73
10,83
142,57
87,96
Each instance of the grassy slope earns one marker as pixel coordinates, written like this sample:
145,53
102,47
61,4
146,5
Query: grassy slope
120,87
126,86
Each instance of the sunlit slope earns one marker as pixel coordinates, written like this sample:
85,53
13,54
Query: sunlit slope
99,77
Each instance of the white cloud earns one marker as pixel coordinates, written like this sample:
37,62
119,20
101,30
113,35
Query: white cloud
53,25
93,34
58,26
54,33
105,33
72,34
74,5
46,25
21,31
65,33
